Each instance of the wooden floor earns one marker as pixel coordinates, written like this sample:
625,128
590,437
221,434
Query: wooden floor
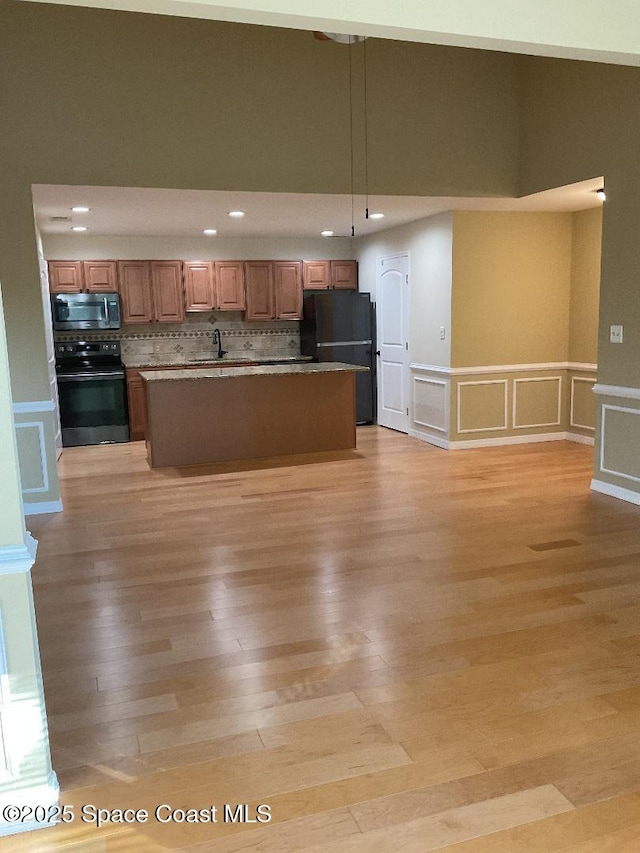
395,649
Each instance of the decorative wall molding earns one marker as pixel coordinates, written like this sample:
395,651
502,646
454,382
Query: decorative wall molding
534,438
578,438
616,391
33,407
572,421
39,426
443,385
615,491
517,382
18,559
436,440
461,385
505,368
603,440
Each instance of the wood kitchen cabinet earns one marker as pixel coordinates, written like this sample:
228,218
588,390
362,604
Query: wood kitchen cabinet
287,281
330,275
151,291
167,291
215,285
83,276
229,286
137,405
135,291
100,276
274,290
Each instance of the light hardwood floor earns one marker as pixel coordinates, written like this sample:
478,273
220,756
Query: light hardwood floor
396,649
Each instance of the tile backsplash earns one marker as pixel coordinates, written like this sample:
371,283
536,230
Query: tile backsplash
179,343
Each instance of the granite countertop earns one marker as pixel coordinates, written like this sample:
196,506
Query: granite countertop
253,370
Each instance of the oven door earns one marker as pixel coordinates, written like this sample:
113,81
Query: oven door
93,408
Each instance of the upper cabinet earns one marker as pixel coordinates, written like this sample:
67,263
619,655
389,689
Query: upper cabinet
135,291
214,285
230,286
274,290
151,290
167,291
287,279
261,303
100,276
326,275
81,276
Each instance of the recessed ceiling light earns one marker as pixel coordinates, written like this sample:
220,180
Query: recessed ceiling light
327,233
80,209
236,213
376,216
601,194
79,228
210,231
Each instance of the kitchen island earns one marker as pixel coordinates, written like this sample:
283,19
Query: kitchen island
219,414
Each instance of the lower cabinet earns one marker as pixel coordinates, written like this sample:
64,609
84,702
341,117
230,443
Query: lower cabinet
137,405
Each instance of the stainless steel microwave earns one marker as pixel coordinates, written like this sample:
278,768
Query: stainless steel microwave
85,311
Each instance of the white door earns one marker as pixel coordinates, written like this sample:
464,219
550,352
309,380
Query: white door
392,311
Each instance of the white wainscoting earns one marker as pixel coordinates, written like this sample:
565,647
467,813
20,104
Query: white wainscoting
558,418
430,403
32,454
572,420
503,426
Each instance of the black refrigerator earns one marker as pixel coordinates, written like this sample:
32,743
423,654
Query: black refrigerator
339,325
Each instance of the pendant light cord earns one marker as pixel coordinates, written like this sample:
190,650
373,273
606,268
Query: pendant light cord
353,230
366,132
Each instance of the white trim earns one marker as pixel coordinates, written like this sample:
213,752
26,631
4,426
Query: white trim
443,443
46,795
616,391
431,368
557,422
18,559
572,395
506,405
39,425
615,491
33,407
445,385
34,508
505,368
625,410
509,439
581,439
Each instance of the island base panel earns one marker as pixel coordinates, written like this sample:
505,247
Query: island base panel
217,420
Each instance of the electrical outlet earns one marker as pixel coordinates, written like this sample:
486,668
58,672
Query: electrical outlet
615,334
442,333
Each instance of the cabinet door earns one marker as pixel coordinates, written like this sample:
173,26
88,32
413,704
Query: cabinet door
259,286
135,291
287,276
137,406
66,277
316,275
199,294
100,276
229,284
168,293
344,275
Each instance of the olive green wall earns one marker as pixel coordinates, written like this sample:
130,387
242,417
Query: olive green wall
586,245
511,285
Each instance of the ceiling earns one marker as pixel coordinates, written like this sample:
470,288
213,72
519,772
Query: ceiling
170,212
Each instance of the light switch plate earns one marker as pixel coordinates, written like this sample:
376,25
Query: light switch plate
615,334
442,333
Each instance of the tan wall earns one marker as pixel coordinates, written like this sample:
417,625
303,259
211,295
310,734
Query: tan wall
511,284
11,518
586,245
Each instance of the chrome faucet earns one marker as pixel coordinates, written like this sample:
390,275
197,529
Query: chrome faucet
217,339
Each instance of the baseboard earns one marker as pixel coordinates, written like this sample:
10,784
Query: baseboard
46,796
508,439
581,439
615,491
443,443
33,508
